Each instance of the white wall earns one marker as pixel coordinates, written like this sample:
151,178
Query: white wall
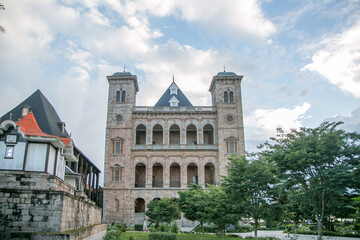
15,163
52,158
36,157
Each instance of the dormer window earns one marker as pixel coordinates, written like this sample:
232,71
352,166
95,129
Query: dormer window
174,102
63,127
173,91
24,111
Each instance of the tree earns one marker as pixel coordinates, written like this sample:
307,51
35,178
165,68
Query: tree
163,210
318,161
219,209
2,29
192,203
251,185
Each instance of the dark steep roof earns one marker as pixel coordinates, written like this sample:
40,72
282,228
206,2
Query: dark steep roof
44,113
165,98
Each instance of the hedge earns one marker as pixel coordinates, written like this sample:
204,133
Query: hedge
162,236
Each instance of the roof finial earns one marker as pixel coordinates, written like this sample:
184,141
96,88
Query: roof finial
224,68
173,78
124,68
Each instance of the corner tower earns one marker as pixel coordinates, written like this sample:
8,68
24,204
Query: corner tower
123,87
225,90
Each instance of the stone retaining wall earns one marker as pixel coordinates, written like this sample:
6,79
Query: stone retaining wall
40,202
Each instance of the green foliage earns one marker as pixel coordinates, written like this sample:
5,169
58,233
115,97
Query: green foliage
113,234
138,227
319,162
174,228
163,228
192,203
163,210
219,209
162,236
251,187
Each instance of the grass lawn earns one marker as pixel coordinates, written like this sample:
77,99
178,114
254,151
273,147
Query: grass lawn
180,236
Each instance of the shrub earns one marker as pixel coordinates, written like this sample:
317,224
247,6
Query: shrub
174,228
163,228
121,226
138,227
162,236
113,234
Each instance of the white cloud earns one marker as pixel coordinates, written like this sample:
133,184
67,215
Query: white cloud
351,123
339,60
241,19
261,124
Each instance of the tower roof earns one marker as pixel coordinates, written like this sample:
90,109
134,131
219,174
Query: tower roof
44,113
173,91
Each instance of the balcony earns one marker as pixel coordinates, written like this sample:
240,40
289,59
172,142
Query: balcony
174,147
184,109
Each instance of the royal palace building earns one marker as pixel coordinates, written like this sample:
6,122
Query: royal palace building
155,151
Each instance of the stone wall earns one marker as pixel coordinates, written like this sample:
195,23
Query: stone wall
40,202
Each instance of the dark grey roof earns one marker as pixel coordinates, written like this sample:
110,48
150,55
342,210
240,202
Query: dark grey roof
117,74
165,98
226,74
44,113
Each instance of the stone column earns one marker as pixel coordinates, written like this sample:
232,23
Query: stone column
183,173
149,172
166,172
201,171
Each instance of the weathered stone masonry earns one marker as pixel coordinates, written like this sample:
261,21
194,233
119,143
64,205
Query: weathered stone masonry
41,202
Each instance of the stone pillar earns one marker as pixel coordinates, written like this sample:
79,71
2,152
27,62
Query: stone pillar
97,188
166,172
149,172
183,173
201,171
90,176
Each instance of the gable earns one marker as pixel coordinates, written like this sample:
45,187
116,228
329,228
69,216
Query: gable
173,92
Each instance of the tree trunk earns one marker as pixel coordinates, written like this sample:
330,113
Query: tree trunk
202,227
256,227
319,229
222,231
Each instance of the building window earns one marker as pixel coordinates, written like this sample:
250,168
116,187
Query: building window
123,96
118,145
117,208
117,173
9,153
117,96
231,145
228,96
120,96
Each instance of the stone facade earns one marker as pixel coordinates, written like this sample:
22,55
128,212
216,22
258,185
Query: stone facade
40,202
154,152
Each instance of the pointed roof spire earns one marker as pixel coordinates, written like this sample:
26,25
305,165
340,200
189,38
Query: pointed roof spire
173,78
124,67
224,68
172,91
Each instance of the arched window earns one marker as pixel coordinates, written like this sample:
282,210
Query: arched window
140,175
209,174
192,174
157,178
139,205
123,96
175,175
208,134
174,134
231,96
191,135
117,208
140,134
226,97
157,137
117,96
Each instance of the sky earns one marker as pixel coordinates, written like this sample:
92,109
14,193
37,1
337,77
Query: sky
300,59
